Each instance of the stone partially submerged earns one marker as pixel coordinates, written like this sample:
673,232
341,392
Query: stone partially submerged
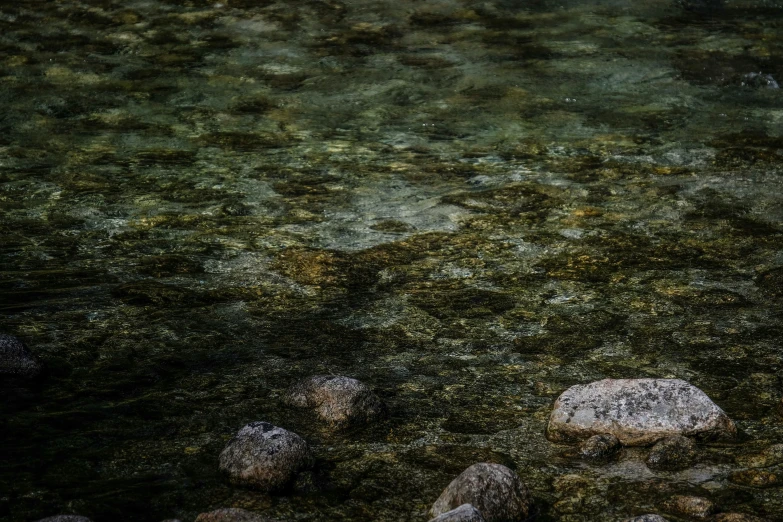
15,359
464,513
338,400
638,412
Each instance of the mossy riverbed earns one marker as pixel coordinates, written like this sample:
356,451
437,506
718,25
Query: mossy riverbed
469,206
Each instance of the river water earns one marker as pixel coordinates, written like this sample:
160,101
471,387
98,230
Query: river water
468,205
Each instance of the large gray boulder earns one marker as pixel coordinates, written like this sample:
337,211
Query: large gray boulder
264,456
637,411
464,513
339,401
493,489
16,359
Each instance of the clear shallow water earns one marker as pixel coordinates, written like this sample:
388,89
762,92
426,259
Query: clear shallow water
468,205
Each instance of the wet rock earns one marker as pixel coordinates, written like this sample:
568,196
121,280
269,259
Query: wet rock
599,447
755,478
637,412
16,359
65,518
493,489
264,456
672,454
464,513
340,401
768,457
759,81
231,515
646,518
736,517
695,507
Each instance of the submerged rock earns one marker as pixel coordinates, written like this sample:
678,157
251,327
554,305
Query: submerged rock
756,478
231,515
646,518
672,454
65,518
770,456
599,447
16,359
736,517
493,489
695,507
264,456
464,513
340,401
637,412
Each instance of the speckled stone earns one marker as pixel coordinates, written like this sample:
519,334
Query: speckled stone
646,518
16,359
340,401
493,489
688,506
231,515
464,513
637,412
756,478
264,456
672,453
599,447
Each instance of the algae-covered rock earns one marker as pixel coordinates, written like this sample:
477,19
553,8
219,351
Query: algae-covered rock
264,456
599,447
689,506
637,412
16,359
340,401
464,513
672,453
495,490
231,515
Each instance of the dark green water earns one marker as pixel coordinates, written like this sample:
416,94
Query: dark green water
468,205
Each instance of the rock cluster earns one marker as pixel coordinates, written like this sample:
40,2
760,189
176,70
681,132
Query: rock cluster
493,489
339,401
15,359
637,411
264,457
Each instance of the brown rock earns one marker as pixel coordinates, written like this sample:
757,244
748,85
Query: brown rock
755,478
231,515
340,401
695,507
736,517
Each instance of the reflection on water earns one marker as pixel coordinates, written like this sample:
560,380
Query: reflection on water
468,205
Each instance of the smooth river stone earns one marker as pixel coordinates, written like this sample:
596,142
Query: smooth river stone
638,412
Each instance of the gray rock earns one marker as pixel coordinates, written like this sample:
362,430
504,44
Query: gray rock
464,513
264,456
340,401
65,518
687,506
16,359
646,518
637,412
599,447
672,454
231,515
493,489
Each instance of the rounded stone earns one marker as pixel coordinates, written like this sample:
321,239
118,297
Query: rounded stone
340,401
755,478
464,513
646,518
16,359
672,454
231,515
264,456
688,506
493,489
599,447
65,518
637,411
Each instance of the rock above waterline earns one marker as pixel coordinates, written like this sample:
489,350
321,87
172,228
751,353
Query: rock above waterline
65,518
493,489
264,456
464,513
16,359
637,411
231,515
340,401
